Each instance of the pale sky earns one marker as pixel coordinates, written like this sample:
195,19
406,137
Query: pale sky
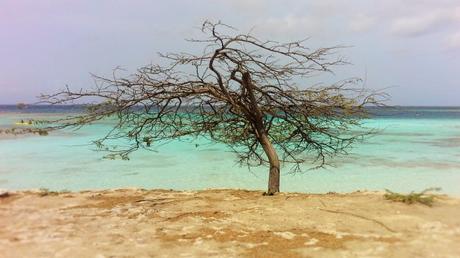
410,46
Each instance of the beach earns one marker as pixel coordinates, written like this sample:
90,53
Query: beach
224,223
265,129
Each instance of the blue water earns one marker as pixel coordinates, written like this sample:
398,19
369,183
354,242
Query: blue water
416,148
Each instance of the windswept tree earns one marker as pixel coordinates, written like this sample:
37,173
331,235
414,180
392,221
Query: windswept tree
249,94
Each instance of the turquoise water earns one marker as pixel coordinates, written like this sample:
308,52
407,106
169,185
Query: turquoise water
415,149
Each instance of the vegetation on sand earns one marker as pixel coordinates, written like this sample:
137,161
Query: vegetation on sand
422,197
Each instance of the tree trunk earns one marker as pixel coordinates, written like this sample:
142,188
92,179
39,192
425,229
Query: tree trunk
274,175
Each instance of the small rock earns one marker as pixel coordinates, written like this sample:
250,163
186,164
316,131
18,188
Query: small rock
312,241
287,235
4,193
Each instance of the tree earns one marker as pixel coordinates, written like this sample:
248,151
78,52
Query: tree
21,106
240,91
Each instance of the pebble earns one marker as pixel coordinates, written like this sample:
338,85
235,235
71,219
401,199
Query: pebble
4,193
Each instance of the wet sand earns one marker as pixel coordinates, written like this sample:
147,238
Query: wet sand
224,223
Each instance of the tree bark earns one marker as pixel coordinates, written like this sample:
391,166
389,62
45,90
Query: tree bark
274,174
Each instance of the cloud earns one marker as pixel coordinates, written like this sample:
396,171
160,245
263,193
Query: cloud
288,26
453,41
249,5
361,23
416,26
424,23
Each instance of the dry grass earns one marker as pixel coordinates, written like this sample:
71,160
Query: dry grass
422,197
46,192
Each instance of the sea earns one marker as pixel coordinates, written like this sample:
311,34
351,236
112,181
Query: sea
414,148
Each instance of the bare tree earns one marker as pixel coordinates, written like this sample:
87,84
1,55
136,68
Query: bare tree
241,91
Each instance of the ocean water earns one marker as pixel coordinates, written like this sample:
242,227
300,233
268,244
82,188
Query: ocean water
416,148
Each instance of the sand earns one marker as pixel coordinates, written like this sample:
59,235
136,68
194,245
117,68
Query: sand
224,223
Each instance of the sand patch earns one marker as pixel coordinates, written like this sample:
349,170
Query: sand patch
224,223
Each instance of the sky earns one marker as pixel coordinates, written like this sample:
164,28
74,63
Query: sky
410,48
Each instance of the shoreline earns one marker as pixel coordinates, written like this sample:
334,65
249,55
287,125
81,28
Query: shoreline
224,223
54,191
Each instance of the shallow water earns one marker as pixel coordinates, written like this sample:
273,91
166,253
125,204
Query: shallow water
416,148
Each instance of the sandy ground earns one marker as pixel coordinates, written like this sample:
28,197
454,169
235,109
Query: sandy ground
224,223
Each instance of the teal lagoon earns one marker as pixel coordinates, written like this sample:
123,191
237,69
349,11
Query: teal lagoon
415,148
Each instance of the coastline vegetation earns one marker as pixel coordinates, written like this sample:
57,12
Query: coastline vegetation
413,197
